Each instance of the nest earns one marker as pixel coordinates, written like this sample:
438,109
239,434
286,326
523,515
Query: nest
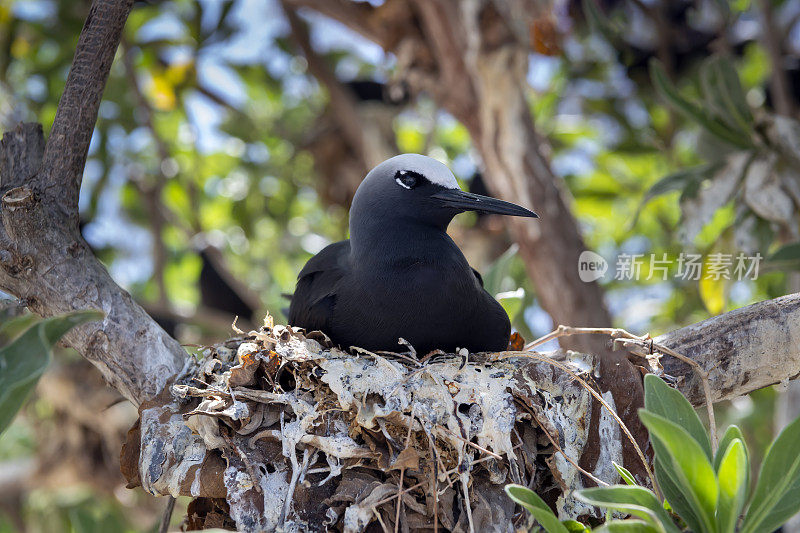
276,429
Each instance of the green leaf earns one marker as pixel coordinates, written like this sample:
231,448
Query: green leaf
497,271
626,526
724,94
787,256
573,526
14,326
663,400
625,474
687,181
777,494
677,181
536,506
732,433
686,463
668,91
637,501
511,302
675,498
732,479
24,360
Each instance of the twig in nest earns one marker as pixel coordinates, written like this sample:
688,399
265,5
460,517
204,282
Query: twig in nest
421,483
167,516
380,519
296,473
626,339
465,441
600,399
465,487
648,344
402,473
562,452
247,464
435,468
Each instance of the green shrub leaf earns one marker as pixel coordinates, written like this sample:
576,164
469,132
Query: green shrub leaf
24,360
573,526
723,93
499,270
537,507
637,501
732,479
668,91
675,497
687,464
625,474
663,400
777,494
626,526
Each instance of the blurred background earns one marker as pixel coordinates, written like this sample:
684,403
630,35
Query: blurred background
233,134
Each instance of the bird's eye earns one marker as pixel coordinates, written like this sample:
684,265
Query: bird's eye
407,179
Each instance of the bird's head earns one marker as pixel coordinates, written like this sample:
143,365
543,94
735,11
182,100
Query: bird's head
420,189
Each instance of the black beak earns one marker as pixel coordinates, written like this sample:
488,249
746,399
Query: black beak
467,201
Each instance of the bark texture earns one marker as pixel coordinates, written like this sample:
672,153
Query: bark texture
744,350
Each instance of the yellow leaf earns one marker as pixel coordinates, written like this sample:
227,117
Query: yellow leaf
162,92
176,73
712,291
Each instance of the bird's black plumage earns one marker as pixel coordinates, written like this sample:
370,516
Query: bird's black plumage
400,274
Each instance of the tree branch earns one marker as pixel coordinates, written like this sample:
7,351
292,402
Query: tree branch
770,35
341,100
743,350
359,17
68,144
43,259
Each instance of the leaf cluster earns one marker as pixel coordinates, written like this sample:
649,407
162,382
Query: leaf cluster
705,491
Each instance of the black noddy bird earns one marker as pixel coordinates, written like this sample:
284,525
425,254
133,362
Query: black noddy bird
400,275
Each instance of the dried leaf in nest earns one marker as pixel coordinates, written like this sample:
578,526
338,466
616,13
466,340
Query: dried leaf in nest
243,374
516,343
408,458
208,513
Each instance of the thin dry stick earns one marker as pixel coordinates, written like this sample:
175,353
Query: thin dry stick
465,441
567,457
645,341
434,466
465,486
600,399
648,344
380,519
402,473
287,504
421,483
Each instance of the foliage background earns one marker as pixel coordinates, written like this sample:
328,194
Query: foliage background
209,133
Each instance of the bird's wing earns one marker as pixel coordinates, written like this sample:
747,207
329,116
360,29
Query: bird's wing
478,276
314,296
